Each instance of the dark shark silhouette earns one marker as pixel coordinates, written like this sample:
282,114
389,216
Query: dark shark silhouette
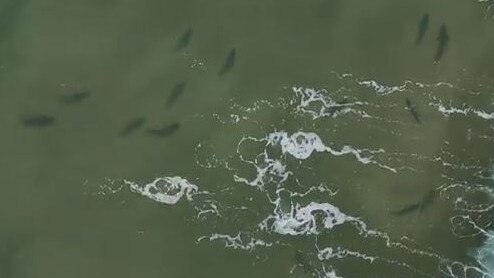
420,206
175,94
132,126
37,120
413,110
164,131
443,40
423,27
229,62
184,40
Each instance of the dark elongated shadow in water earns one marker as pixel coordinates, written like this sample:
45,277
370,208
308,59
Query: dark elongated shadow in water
132,126
37,120
406,210
164,131
426,201
443,40
184,40
423,27
413,110
229,62
175,94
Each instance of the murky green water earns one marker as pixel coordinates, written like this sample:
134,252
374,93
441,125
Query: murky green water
296,138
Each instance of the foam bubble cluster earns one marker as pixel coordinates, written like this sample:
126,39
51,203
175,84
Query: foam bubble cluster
300,145
167,190
302,220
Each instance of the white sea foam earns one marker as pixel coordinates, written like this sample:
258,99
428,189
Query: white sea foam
338,252
489,4
451,110
381,89
446,111
167,190
342,253
318,104
267,170
209,207
485,255
484,115
237,242
302,220
329,273
301,145
492,172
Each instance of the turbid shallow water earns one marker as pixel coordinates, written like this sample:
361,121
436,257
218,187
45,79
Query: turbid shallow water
246,138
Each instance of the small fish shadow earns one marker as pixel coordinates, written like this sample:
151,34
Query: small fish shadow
37,120
184,40
175,94
164,131
423,27
426,201
132,126
413,110
229,62
443,41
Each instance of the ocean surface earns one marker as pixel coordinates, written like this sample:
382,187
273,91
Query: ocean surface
236,138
